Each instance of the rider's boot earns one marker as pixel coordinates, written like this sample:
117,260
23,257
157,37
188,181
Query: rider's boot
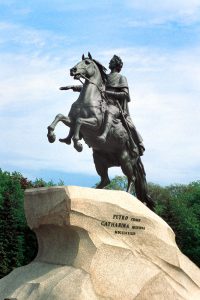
68,139
107,126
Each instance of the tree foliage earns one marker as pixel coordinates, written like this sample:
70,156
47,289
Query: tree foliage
18,244
12,221
118,183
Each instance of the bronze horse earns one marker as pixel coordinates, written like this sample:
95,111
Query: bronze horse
85,120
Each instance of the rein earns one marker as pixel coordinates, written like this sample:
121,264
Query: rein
100,90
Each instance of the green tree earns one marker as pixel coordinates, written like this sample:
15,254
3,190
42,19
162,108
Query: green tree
185,205
12,221
118,183
18,244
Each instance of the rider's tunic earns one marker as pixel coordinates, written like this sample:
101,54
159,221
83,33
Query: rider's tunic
118,83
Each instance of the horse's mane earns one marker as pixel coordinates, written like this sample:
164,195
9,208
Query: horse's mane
102,70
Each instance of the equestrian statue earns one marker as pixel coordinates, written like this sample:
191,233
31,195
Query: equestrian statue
100,116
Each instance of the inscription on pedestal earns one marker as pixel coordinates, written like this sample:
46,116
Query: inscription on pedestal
123,224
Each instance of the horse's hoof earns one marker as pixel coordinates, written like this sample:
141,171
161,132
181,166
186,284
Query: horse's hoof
66,141
103,184
78,147
51,137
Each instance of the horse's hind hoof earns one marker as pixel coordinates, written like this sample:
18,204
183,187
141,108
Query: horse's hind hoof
103,183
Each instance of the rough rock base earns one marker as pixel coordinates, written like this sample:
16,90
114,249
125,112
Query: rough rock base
99,244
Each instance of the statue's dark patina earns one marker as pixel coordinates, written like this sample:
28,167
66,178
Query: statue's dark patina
101,117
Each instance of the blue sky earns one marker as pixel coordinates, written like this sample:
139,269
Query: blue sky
160,46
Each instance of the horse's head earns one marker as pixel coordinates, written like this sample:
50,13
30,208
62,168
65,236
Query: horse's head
88,68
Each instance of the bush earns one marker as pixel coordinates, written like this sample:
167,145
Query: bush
18,244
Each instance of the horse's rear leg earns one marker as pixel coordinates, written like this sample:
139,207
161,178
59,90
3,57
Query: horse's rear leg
101,165
127,168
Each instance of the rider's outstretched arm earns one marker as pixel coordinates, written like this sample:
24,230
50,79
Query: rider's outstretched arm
75,88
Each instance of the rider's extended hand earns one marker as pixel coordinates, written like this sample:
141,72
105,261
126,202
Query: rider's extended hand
68,87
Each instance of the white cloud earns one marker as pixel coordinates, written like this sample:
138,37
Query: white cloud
168,5
30,39
160,12
31,78
166,110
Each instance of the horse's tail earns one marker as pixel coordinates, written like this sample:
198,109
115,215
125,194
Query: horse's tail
141,185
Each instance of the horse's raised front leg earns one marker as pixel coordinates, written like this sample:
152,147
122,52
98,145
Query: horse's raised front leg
51,135
91,122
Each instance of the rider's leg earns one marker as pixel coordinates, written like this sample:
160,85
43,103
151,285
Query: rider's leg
67,140
108,122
